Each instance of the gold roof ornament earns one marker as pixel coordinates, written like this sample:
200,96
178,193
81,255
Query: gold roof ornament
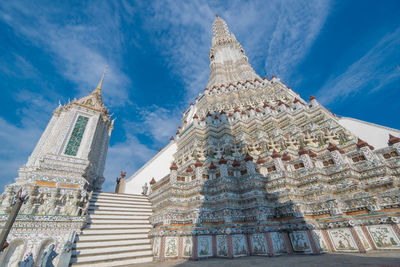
98,88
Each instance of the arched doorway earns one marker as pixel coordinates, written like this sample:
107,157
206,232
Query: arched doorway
13,254
43,247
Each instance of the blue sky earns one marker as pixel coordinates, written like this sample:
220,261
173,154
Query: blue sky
344,52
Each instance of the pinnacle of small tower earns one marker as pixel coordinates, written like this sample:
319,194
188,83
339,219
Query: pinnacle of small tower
99,86
95,100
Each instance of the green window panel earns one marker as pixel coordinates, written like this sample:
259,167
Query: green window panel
76,136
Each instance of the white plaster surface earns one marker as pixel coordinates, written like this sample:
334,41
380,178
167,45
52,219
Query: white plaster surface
157,167
375,135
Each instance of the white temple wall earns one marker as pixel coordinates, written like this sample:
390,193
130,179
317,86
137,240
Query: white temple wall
375,135
157,167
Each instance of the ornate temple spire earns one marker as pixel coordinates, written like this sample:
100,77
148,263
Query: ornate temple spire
98,88
228,62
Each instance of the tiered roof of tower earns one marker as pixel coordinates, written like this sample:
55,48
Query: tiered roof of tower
93,101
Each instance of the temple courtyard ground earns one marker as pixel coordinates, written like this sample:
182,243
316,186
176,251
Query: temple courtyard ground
381,258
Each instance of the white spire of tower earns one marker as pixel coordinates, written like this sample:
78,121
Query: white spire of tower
100,85
228,62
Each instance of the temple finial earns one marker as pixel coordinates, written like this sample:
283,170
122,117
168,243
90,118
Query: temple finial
98,88
220,28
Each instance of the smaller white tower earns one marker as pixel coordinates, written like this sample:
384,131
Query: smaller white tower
72,150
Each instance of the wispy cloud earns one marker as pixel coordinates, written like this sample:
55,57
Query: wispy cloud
128,155
16,145
80,50
374,70
34,109
298,23
155,122
17,141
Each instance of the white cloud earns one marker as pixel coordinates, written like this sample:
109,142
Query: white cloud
128,156
371,72
155,122
18,141
80,50
298,23
15,146
34,109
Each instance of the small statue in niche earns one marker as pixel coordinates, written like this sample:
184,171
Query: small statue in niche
29,206
27,262
372,204
145,188
65,255
49,206
72,205
48,257
7,200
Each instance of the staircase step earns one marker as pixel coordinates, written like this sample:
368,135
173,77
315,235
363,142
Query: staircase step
116,222
106,250
110,256
119,196
118,226
112,237
119,199
120,203
115,231
111,243
111,212
123,209
115,263
118,217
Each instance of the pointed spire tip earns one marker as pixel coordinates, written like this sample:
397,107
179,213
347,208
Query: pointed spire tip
98,88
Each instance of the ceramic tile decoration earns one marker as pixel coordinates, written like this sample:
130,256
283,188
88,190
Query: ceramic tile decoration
239,245
76,136
171,246
278,243
342,240
362,237
320,240
222,246
384,237
204,247
259,244
187,246
300,242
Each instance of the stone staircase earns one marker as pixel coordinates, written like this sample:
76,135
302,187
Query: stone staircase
116,233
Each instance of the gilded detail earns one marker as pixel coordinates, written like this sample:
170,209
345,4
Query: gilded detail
76,136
